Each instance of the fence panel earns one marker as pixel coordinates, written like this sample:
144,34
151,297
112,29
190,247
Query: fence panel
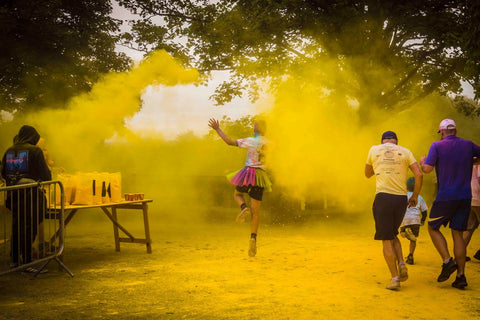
31,217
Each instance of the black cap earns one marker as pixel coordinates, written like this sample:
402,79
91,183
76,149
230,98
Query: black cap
389,135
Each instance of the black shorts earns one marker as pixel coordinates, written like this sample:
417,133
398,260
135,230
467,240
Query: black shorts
414,227
388,212
253,191
454,212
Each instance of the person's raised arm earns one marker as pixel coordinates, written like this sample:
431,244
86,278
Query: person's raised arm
215,125
417,173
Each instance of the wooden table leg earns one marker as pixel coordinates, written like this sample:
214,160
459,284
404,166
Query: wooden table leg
147,228
115,229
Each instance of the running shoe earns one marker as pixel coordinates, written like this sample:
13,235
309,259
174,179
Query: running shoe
403,271
409,259
447,269
252,250
243,215
409,234
477,255
34,270
393,285
460,282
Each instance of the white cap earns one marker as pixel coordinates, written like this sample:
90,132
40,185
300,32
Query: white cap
447,124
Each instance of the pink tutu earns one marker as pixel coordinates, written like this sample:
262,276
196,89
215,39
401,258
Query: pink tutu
250,176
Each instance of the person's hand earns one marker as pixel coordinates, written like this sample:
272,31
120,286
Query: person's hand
422,159
412,202
214,124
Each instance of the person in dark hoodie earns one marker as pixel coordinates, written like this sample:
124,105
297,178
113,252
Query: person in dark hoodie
24,163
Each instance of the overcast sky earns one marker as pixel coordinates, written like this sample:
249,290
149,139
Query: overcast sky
175,110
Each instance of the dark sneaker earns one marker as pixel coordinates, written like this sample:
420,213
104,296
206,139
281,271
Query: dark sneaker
447,269
477,255
460,282
409,259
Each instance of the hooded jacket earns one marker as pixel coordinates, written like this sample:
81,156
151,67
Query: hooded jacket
24,159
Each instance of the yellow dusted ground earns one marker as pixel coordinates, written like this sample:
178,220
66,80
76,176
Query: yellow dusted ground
324,270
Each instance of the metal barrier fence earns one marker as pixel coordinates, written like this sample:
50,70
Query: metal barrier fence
31,226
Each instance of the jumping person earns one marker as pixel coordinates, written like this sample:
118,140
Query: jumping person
452,157
251,180
414,218
389,163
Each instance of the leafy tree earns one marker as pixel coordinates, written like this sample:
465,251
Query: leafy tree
388,54
54,49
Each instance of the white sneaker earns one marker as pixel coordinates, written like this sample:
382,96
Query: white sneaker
243,215
393,285
252,250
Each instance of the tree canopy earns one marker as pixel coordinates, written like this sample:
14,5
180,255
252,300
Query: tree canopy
52,50
394,52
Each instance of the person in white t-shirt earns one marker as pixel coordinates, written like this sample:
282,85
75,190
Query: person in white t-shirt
251,179
474,216
414,217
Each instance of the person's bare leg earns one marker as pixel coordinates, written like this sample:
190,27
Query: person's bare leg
439,242
255,221
398,249
402,268
413,245
255,209
459,250
467,236
389,253
239,198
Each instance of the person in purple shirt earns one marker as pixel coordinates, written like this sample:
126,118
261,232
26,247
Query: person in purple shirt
452,157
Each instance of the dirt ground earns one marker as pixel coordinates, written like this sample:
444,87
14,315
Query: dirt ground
319,269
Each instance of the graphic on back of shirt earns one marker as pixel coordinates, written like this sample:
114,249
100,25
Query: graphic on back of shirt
389,163
16,162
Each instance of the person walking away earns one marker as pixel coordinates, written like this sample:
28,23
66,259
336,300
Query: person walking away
452,157
390,162
414,218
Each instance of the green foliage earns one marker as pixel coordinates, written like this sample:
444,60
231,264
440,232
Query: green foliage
468,107
386,54
52,50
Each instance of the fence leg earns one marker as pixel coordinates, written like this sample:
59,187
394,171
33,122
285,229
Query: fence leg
63,266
